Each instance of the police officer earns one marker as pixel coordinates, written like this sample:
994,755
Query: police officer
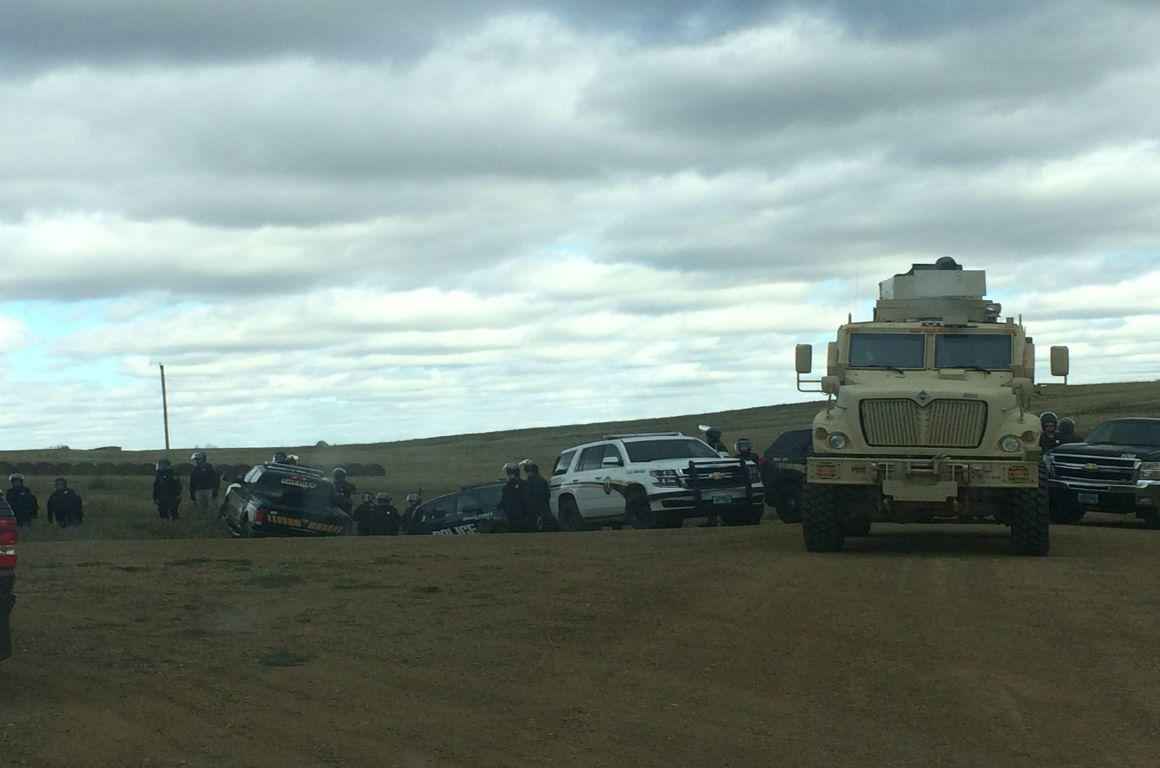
539,498
1065,432
280,457
204,482
65,505
22,500
344,490
514,500
1049,422
743,449
408,519
166,491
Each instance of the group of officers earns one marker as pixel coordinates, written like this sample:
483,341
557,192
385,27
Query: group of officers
1056,431
65,506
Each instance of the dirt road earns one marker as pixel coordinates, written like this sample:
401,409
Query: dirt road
728,647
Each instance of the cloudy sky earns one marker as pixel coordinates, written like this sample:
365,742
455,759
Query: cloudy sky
362,220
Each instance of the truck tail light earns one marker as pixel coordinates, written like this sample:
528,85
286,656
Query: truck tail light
260,515
7,542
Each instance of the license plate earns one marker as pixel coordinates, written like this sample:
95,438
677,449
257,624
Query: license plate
722,499
1088,498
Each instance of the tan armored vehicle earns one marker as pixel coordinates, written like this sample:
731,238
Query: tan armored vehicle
928,416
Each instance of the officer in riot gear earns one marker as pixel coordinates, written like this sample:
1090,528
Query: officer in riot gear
713,438
166,491
1065,432
514,500
539,498
204,482
1048,438
344,490
65,506
23,501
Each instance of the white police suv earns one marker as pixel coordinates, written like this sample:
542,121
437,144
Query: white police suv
652,480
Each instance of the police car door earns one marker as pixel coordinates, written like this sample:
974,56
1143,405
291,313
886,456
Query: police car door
587,482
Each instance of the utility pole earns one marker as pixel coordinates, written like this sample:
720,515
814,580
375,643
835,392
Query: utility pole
165,407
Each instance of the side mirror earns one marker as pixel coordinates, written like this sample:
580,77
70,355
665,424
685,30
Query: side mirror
804,358
611,461
1060,361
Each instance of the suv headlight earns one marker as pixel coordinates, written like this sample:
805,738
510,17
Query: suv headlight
667,477
1150,470
1011,444
838,441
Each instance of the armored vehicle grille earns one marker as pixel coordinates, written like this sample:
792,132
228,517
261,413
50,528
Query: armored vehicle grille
900,422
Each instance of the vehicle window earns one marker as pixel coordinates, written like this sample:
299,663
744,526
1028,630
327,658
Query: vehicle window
474,503
1127,433
591,458
887,350
563,462
660,450
295,491
489,496
441,508
963,350
613,451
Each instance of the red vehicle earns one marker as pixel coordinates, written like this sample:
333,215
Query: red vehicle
7,576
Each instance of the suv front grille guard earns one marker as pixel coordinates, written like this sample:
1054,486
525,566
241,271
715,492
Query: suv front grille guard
718,475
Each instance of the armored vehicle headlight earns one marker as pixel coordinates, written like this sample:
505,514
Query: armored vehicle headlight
1150,470
1011,444
838,441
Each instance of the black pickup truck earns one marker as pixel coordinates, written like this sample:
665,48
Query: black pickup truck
1117,470
7,576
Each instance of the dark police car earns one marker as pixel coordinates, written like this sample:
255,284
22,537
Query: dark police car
1117,469
283,500
473,509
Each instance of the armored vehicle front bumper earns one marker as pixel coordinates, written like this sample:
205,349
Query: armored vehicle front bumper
922,479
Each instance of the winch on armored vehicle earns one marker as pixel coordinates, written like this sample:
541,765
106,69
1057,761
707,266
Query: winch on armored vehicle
928,416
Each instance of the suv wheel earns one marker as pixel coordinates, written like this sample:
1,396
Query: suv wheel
1030,521
821,521
570,519
637,511
789,504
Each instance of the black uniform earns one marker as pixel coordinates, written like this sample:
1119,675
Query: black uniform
377,519
514,503
65,507
167,494
24,504
539,503
1049,441
204,477
344,491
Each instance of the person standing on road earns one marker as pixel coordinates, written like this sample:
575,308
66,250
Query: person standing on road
743,449
1065,432
413,502
204,482
1048,438
344,490
514,500
22,500
166,491
713,438
65,505
539,499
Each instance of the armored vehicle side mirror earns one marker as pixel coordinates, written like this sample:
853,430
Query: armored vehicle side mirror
1060,362
804,358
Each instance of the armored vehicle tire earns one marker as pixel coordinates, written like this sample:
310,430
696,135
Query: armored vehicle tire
1030,522
570,515
637,511
822,527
